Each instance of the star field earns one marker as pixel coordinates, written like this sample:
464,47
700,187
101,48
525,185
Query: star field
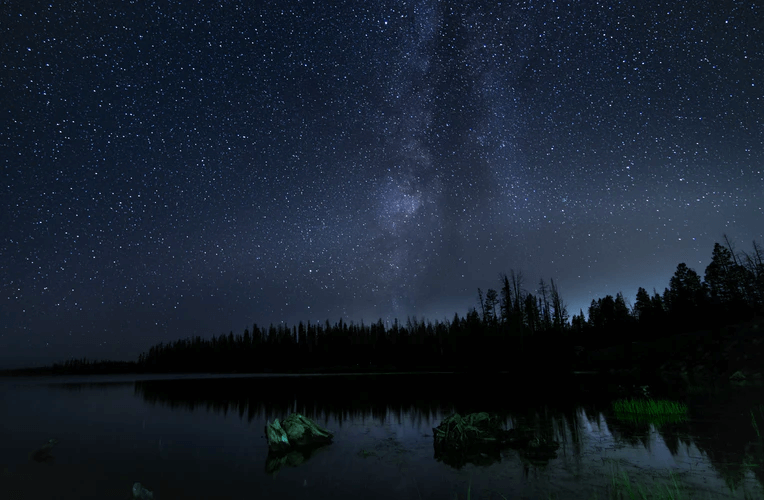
172,169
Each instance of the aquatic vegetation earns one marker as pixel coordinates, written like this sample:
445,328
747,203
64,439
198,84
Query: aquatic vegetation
469,488
621,487
478,438
654,411
458,432
656,420
652,407
753,420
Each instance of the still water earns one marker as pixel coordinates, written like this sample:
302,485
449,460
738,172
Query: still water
195,437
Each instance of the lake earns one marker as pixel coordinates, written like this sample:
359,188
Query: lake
201,437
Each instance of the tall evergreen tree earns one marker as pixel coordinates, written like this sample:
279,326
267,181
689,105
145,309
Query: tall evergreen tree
621,311
491,301
607,308
596,319
686,297
643,308
719,276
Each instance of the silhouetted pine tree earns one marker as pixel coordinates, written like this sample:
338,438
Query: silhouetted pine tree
643,309
687,296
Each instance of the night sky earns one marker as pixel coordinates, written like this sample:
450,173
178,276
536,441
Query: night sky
172,169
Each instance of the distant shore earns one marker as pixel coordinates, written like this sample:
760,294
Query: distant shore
705,354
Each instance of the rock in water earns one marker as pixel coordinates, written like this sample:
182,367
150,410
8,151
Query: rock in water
737,376
295,431
478,437
141,493
475,429
277,438
43,454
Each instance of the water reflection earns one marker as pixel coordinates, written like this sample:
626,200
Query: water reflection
718,432
173,435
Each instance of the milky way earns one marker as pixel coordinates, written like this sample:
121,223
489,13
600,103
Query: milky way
172,169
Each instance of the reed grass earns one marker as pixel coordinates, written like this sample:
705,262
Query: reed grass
469,488
753,420
653,407
620,487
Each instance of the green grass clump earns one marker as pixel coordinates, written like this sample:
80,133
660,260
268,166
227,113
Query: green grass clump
653,411
652,407
753,420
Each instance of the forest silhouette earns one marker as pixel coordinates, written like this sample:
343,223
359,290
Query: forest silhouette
511,329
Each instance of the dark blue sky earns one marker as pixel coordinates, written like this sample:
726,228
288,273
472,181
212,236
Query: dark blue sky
188,168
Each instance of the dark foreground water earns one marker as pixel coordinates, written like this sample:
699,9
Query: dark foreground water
191,438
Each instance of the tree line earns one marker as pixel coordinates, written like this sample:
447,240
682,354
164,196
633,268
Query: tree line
731,291
510,327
